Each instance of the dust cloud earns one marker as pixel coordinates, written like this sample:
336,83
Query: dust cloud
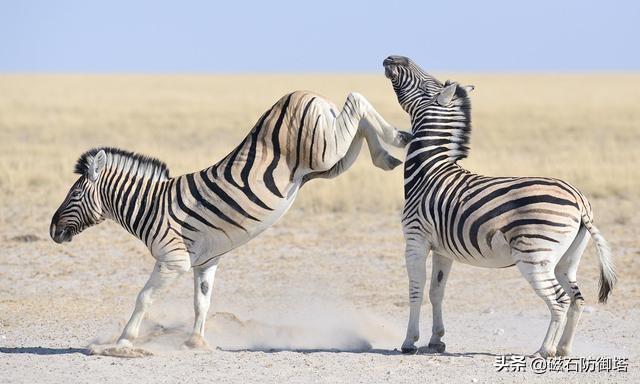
311,326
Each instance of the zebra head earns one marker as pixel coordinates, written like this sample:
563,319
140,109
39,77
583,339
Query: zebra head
415,88
82,207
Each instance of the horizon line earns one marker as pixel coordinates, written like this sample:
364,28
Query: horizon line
313,73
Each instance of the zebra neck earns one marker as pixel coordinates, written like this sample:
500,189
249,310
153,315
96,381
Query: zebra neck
134,203
441,135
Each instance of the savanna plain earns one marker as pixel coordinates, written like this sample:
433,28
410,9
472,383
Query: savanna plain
323,295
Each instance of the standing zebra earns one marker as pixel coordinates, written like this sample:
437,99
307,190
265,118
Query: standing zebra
191,220
538,224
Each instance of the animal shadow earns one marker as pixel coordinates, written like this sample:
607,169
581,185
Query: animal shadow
43,351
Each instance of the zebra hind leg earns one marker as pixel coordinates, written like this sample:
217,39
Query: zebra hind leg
202,287
375,128
342,165
377,124
379,155
566,272
538,270
439,274
360,115
357,121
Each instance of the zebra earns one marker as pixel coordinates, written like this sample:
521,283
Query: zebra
538,224
190,221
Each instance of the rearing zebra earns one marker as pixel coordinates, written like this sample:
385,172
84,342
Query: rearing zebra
538,224
191,220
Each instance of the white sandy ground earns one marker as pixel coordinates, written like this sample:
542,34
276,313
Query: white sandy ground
318,298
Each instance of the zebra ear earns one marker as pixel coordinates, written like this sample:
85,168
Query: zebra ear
446,95
97,165
469,88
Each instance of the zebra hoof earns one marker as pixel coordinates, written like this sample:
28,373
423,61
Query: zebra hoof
393,162
437,347
196,342
563,351
410,350
124,343
385,161
544,353
403,138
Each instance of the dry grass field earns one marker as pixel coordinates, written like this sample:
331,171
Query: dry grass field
330,275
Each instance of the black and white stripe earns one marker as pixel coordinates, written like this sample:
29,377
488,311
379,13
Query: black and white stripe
536,224
191,220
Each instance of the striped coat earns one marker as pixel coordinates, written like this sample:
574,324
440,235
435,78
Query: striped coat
191,220
540,225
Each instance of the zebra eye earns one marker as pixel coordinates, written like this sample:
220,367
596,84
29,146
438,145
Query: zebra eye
77,193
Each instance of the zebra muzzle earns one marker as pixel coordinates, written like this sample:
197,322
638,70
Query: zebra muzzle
395,60
391,64
59,236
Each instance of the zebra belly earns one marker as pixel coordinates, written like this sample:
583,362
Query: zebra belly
211,244
498,255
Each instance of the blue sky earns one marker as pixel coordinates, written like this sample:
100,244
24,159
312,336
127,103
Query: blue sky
317,36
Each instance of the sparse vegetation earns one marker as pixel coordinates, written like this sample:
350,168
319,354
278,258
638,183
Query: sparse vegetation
582,128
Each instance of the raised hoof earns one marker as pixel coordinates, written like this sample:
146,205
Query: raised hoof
403,138
386,161
393,162
411,350
437,347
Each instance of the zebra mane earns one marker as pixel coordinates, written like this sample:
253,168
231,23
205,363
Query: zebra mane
463,103
120,158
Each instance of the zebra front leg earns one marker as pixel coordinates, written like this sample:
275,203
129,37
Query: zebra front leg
537,269
439,275
416,258
203,285
164,273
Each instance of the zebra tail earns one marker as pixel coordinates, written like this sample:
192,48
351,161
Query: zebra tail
608,276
